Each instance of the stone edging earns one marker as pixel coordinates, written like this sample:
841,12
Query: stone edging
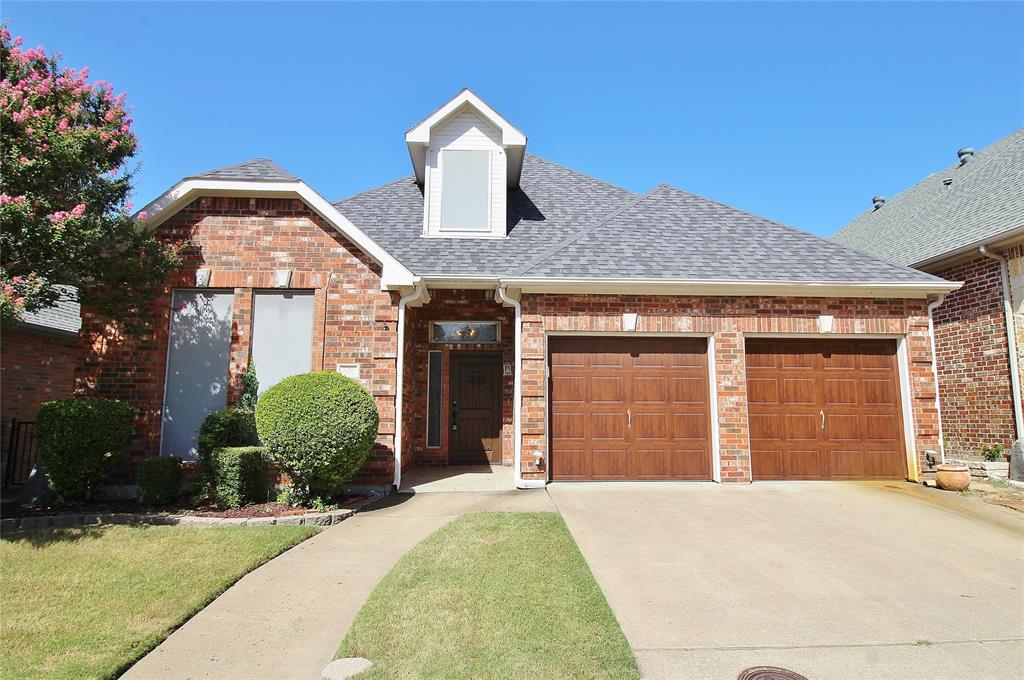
13,524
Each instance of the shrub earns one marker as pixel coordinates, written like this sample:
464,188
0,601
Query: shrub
228,427
76,438
992,452
240,476
159,480
250,387
319,427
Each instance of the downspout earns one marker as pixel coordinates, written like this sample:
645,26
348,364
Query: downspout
517,396
415,295
1011,338
935,373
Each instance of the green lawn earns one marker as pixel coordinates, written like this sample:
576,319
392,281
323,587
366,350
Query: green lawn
491,595
87,602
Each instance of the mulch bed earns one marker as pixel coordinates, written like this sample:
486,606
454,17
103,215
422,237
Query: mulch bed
13,510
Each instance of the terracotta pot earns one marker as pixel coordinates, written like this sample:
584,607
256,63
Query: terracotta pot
953,477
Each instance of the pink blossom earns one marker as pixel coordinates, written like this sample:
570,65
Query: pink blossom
128,205
143,215
78,210
23,160
62,125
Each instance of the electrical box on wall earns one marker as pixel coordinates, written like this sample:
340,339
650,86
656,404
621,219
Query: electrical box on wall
349,371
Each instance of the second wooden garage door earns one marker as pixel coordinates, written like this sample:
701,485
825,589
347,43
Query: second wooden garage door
629,408
824,409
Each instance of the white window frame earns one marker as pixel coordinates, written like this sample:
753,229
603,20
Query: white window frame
488,227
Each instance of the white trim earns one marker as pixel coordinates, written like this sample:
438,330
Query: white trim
712,376
1011,338
909,424
935,373
415,295
731,288
393,275
510,135
502,296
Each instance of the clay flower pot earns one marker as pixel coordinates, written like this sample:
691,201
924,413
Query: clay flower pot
953,477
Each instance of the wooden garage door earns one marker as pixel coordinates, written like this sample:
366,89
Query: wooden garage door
629,408
824,409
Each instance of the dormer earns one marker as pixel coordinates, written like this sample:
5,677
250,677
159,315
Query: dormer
466,158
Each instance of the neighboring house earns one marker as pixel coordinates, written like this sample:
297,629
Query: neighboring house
37,364
966,223
504,309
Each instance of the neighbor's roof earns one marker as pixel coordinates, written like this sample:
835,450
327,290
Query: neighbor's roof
984,199
564,224
63,317
255,170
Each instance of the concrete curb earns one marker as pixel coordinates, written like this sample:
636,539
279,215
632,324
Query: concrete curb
322,519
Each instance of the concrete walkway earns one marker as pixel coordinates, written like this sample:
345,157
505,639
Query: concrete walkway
286,619
458,478
833,580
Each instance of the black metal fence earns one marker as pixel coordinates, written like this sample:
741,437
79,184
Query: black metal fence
20,455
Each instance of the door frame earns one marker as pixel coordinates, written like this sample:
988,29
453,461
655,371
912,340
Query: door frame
713,433
902,369
454,355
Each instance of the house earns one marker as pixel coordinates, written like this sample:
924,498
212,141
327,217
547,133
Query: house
37,364
504,309
965,223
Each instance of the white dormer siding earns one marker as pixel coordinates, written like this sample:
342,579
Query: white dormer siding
464,130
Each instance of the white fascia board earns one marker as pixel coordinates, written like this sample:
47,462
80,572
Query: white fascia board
733,288
393,273
510,135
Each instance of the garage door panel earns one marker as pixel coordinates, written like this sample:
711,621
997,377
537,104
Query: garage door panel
645,408
837,413
799,391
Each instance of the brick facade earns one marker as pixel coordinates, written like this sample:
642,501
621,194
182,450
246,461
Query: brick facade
973,364
34,367
727,320
243,241
450,305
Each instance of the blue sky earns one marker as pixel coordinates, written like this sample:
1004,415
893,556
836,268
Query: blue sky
796,111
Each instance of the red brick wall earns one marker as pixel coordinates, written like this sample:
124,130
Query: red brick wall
727,319
243,241
450,305
34,367
973,360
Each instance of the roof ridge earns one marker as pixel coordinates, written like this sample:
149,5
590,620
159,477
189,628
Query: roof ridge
586,230
801,232
379,186
276,167
974,165
581,174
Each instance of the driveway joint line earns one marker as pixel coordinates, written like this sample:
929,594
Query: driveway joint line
930,643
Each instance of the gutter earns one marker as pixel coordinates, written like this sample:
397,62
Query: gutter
1011,338
501,294
418,292
935,374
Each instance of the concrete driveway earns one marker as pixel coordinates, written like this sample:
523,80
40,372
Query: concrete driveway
834,580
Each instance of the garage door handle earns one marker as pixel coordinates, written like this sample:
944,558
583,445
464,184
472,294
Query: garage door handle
821,412
629,418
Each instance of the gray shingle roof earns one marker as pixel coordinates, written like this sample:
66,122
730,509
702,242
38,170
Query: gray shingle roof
670,233
64,317
567,224
984,199
551,204
257,169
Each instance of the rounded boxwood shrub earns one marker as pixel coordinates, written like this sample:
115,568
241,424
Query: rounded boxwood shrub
318,427
159,480
76,438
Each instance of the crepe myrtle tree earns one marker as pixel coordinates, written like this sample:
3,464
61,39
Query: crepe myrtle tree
63,192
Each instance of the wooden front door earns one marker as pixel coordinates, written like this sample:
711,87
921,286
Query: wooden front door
824,409
629,408
475,409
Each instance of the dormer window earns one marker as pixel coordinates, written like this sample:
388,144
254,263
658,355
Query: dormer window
465,190
467,158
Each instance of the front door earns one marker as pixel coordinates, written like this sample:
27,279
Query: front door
475,410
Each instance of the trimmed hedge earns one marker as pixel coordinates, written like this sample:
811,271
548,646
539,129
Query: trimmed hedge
240,476
319,427
228,427
159,480
77,439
